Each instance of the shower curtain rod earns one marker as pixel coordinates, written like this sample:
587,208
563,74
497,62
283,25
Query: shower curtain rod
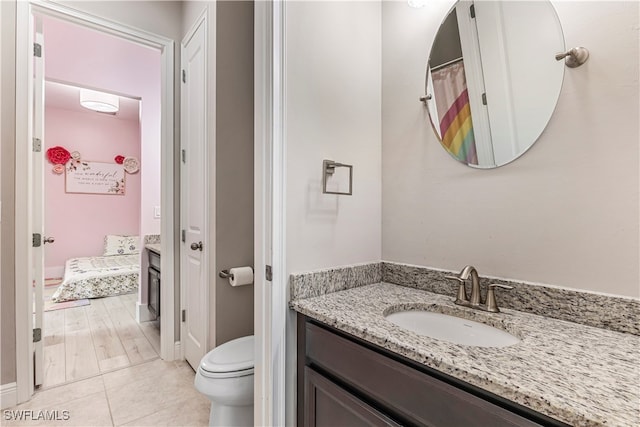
453,61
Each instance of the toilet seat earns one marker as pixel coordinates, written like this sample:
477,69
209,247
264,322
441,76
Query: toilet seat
231,359
220,375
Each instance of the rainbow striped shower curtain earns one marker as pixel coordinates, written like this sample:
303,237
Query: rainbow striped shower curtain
454,113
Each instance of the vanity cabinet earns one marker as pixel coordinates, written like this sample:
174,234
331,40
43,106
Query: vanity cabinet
345,381
154,283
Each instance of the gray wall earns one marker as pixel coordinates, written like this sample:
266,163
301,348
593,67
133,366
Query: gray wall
565,213
446,46
333,98
234,166
7,112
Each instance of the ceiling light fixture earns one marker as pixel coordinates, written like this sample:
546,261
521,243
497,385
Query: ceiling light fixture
99,101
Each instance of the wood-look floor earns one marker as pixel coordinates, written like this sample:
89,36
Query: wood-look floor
86,341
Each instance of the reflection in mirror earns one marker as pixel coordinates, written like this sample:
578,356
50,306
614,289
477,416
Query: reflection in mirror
493,80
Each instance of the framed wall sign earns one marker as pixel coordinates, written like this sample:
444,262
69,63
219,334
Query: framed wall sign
94,178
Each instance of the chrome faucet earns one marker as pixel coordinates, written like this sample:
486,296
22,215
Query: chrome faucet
470,270
475,301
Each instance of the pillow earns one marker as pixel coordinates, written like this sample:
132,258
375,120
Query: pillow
121,245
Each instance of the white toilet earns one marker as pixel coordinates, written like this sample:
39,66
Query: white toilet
225,376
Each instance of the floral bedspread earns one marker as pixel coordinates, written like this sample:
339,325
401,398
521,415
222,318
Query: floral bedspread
95,277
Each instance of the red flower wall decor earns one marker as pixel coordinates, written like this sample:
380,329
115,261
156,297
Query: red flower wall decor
58,155
119,159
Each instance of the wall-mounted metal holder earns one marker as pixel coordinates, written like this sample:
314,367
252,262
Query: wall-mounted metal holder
328,169
574,57
224,274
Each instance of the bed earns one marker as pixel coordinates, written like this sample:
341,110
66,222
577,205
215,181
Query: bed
115,273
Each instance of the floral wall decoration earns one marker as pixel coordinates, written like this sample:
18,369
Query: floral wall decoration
59,156
82,176
131,164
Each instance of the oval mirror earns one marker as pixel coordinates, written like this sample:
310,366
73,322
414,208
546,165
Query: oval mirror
493,80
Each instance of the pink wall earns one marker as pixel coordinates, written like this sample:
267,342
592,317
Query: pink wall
85,57
79,222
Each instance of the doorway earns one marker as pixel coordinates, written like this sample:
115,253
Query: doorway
26,256
91,322
104,187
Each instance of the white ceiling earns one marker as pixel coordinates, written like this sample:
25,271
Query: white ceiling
67,97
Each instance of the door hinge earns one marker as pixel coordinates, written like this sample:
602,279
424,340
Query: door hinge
184,315
183,235
184,156
37,50
484,98
37,145
268,273
472,10
36,240
184,76
37,335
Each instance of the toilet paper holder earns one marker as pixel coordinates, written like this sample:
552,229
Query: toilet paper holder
224,274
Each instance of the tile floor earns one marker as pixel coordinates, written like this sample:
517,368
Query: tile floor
103,368
154,393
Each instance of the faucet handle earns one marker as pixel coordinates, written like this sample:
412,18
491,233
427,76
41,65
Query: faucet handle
462,290
492,305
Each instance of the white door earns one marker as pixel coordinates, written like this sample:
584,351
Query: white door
194,183
504,30
475,81
38,200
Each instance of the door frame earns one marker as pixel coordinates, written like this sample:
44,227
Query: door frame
270,308
23,177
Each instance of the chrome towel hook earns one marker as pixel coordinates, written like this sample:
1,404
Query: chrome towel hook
574,57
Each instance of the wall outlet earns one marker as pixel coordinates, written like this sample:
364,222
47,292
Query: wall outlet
156,211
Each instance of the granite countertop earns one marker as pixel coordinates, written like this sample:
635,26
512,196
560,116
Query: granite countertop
155,247
581,375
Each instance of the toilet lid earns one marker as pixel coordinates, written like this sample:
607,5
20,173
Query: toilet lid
235,355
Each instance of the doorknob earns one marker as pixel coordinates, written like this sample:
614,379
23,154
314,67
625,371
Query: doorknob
196,246
48,240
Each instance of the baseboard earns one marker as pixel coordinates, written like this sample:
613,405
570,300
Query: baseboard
143,314
8,395
54,272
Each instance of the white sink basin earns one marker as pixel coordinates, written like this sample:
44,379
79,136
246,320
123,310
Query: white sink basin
451,328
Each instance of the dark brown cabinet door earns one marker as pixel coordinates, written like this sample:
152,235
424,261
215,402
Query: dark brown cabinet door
154,291
329,405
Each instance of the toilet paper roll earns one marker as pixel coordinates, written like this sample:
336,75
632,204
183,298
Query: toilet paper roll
241,276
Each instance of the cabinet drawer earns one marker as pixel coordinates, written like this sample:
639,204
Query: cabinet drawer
406,393
154,260
329,406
